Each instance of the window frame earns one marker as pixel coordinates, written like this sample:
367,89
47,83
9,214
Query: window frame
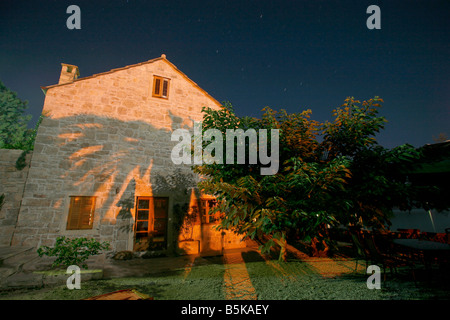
206,204
158,90
79,225
152,233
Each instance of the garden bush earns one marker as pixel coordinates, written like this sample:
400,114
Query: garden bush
73,251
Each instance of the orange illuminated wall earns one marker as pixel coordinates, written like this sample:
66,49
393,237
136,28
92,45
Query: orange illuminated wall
107,136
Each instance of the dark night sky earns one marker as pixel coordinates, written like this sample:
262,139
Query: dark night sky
292,55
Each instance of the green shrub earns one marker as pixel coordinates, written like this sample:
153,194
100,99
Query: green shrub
73,251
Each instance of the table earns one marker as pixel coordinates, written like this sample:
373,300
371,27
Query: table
430,251
423,245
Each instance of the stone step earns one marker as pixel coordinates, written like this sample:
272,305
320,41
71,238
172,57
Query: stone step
5,273
10,256
22,280
23,268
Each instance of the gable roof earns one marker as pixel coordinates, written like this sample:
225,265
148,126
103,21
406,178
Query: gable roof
162,58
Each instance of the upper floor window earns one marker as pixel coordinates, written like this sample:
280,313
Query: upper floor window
160,87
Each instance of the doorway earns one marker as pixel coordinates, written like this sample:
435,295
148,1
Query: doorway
151,223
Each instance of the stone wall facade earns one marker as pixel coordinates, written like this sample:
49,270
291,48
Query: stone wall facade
107,136
12,183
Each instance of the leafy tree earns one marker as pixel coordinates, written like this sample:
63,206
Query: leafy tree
441,137
347,178
378,181
354,128
14,133
297,197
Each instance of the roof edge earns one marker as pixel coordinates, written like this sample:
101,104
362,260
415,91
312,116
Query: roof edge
163,58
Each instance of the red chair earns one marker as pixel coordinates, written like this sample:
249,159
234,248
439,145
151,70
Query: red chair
384,255
409,233
430,236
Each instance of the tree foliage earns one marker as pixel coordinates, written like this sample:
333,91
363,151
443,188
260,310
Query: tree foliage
14,133
377,183
297,197
347,178
354,127
73,251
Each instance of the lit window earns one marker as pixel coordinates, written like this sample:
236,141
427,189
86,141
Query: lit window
206,209
160,87
81,213
151,223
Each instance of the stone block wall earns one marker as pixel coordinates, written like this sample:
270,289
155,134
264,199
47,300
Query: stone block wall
213,240
12,182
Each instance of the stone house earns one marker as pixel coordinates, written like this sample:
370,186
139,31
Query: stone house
101,166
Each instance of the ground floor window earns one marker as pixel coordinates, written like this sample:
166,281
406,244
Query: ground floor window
81,212
206,211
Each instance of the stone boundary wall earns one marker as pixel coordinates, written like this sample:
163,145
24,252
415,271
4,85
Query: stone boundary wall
12,182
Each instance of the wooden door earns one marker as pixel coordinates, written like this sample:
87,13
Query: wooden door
151,223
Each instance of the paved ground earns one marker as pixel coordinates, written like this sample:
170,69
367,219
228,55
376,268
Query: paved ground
21,267
237,280
242,274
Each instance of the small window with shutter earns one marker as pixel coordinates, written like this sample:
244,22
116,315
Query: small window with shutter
160,87
81,213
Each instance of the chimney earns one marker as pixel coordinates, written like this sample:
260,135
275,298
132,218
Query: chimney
69,73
